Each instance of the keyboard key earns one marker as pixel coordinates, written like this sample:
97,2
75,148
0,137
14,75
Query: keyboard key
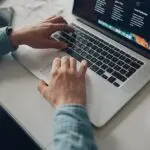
127,55
128,61
86,49
129,74
116,54
112,79
94,60
111,64
114,59
101,58
116,84
95,41
140,62
75,55
104,43
122,52
82,46
111,51
91,51
109,56
78,44
120,63
122,57
117,68
134,59
126,66
101,45
104,53
110,70
74,48
119,76
135,65
94,68
79,51
85,42
106,61
132,69
106,48
104,76
99,50
123,72
117,50
96,55
94,47
99,63
100,72
88,57
84,54
104,67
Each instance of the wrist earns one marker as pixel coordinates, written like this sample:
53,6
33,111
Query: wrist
62,102
14,38
17,37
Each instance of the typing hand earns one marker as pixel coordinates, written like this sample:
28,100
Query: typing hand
67,84
38,36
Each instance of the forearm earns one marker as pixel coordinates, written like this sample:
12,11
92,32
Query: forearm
5,43
72,129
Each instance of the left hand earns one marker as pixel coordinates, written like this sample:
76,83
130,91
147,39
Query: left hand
38,36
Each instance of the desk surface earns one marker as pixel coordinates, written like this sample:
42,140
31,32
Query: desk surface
129,130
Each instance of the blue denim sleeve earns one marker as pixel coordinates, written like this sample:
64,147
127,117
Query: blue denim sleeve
72,129
5,44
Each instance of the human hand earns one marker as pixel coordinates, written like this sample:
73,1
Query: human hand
67,84
38,36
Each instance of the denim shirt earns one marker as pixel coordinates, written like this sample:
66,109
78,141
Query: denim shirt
72,128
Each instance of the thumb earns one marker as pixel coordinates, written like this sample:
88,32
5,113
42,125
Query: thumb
55,44
43,88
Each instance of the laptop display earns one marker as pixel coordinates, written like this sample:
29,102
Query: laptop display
127,18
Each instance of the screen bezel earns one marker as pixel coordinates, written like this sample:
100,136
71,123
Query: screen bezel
111,34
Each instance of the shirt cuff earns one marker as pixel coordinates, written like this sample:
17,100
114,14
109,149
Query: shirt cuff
73,117
5,44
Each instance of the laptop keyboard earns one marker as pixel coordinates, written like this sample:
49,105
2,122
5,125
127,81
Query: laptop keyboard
107,61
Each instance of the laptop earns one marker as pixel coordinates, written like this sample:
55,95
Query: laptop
114,37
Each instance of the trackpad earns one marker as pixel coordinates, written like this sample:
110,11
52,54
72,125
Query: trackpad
12,136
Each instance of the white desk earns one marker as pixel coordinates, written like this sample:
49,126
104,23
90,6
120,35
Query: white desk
129,130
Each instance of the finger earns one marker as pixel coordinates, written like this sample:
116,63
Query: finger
56,64
43,87
73,63
83,68
52,17
54,44
61,27
58,19
65,63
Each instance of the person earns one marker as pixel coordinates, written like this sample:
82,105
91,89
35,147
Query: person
72,128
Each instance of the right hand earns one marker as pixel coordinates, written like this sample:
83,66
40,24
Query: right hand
38,36
67,84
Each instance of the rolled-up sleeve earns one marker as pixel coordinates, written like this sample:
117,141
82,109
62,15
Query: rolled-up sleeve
5,44
72,129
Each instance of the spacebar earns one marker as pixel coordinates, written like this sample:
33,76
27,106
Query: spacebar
74,55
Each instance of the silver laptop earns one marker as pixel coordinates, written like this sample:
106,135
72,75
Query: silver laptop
114,37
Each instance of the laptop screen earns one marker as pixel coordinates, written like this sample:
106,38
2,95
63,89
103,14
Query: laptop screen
129,19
